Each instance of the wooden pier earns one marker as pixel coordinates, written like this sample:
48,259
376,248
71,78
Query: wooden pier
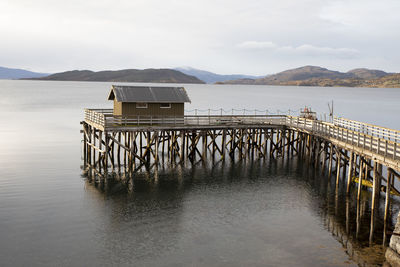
351,151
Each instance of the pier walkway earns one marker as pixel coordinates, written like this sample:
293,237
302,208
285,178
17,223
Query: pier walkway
378,143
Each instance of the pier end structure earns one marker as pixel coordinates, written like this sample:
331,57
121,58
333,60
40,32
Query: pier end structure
152,101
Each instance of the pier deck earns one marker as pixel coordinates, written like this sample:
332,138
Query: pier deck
378,143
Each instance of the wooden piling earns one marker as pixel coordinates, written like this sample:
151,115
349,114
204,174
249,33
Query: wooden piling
360,175
350,173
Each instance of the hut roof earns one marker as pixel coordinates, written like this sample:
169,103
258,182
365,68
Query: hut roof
148,94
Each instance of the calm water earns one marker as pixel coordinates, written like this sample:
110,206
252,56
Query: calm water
249,213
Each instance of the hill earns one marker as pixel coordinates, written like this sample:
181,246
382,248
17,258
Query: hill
129,75
210,77
317,76
367,73
8,73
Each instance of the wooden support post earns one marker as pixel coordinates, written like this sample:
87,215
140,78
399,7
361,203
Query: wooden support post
119,151
358,218
182,152
324,157
317,158
89,132
271,141
84,145
360,175
345,157
338,168
387,202
293,142
375,195
126,144
298,147
289,136
100,146
113,154
156,147
94,144
330,159
265,142
141,144
130,158
106,149
350,173
148,147
163,145
245,143
223,145
283,140
204,150
133,149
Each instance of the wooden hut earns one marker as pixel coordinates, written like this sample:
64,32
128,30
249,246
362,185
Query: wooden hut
148,100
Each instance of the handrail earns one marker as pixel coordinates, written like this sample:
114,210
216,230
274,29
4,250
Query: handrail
379,140
378,131
375,144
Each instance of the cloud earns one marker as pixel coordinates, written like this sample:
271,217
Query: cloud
256,45
312,50
305,49
223,36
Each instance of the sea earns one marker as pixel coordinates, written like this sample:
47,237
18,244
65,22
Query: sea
246,213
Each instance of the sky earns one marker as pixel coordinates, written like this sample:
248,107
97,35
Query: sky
249,37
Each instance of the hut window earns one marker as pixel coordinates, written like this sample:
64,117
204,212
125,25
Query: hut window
165,105
141,105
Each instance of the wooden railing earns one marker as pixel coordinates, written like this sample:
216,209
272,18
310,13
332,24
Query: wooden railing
370,129
363,140
379,140
105,118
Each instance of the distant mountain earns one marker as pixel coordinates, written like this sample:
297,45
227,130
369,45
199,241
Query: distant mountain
300,74
7,73
129,75
368,74
317,76
210,77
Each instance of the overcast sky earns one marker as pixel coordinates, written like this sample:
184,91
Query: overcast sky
250,37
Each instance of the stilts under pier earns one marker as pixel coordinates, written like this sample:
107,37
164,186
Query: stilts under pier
357,153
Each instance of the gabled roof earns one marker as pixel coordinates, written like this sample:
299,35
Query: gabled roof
148,94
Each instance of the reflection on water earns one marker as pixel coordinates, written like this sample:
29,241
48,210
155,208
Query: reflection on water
247,212
250,213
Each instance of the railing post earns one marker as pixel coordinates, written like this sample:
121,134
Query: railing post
386,147
371,147
364,142
378,145
394,150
